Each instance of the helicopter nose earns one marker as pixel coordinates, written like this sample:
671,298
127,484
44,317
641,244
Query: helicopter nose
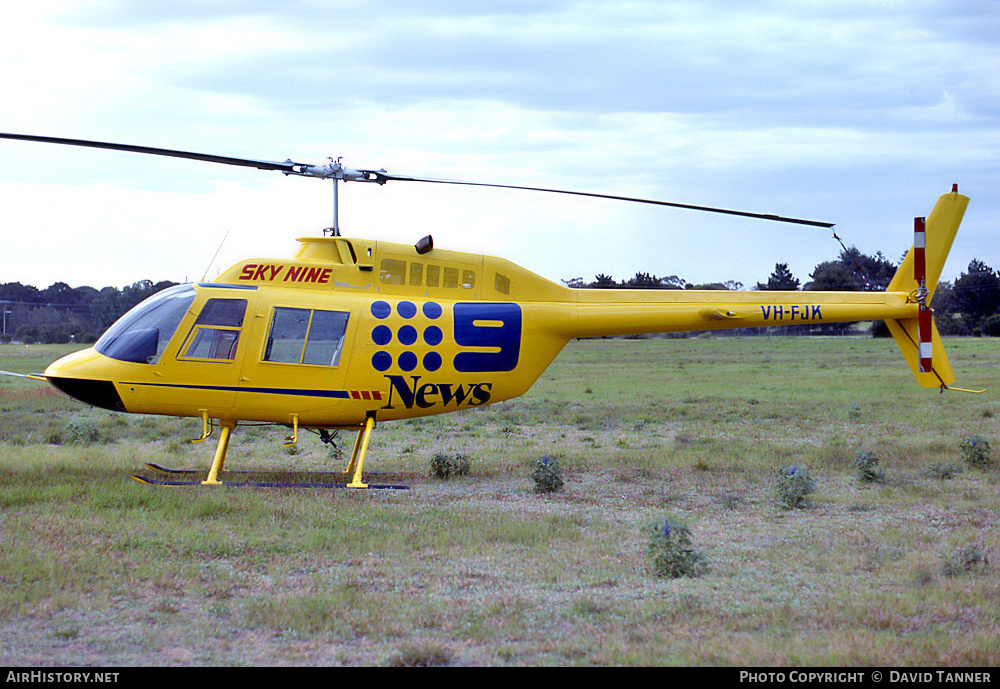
79,375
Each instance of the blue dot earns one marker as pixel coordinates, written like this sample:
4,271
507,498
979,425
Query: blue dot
407,334
382,335
407,361
406,309
381,309
432,310
381,361
432,361
432,335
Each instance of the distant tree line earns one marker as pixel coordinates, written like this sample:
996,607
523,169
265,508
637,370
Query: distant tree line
970,305
60,313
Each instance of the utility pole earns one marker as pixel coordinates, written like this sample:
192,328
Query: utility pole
5,312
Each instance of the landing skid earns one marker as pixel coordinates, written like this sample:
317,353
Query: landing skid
170,472
264,484
167,470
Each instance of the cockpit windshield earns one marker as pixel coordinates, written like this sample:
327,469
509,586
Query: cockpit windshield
142,334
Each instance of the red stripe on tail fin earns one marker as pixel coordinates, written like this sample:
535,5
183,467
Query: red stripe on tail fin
925,318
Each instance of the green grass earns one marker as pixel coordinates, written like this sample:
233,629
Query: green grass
482,569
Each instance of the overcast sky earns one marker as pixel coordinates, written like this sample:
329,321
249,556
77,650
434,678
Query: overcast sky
854,112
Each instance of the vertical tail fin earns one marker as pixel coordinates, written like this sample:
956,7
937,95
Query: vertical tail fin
918,338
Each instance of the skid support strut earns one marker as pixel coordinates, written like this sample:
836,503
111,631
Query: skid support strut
358,454
219,462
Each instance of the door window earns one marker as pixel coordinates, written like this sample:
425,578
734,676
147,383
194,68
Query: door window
306,336
216,333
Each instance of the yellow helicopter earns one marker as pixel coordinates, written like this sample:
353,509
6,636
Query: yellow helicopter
348,333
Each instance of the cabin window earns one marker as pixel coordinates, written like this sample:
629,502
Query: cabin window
393,271
502,284
416,274
216,333
449,278
306,336
433,276
326,338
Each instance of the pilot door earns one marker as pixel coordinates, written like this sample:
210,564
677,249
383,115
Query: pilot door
204,371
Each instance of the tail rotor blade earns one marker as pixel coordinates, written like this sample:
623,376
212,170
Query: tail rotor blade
925,317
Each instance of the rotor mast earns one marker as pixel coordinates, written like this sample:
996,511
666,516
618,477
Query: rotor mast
338,173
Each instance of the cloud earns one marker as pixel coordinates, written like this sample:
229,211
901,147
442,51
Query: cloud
856,112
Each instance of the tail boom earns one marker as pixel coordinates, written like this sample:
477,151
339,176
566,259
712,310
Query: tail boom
686,310
904,306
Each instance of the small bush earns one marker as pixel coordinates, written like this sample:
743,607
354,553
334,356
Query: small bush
854,413
730,500
444,467
547,475
965,560
422,656
671,552
794,487
976,452
83,432
867,466
943,470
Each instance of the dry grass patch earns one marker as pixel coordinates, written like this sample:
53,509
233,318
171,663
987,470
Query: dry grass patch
480,569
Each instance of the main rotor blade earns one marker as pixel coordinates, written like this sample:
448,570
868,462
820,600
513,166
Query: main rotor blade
762,216
335,170
288,166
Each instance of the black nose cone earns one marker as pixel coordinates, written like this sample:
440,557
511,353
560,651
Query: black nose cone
97,393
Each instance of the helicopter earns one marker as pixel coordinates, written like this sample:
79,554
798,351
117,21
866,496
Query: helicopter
348,333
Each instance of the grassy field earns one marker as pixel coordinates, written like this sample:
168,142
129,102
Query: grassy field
482,569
